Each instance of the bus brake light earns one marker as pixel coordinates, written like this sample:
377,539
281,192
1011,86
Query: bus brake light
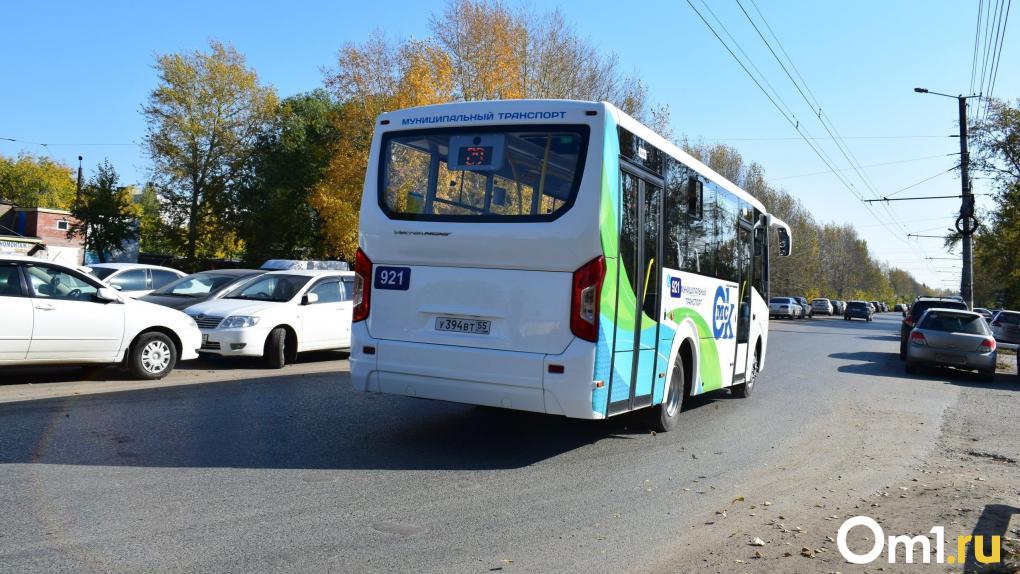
362,286
585,298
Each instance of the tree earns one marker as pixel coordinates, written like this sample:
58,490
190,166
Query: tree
203,122
105,217
36,181
275,219
997,243
478,49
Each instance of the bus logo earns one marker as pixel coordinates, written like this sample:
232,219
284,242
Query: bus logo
722,316
675,287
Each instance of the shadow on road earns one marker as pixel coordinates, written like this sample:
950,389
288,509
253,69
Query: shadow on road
994,521
290,422
889,365
63,374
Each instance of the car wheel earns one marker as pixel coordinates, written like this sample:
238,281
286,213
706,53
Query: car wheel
903,350
663,417
744,390
152,356
275,354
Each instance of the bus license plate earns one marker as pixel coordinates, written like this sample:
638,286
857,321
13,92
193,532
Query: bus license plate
473,326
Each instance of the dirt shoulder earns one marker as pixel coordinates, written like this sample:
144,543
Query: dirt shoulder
969,483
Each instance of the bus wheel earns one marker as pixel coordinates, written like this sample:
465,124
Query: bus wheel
744,390
663,417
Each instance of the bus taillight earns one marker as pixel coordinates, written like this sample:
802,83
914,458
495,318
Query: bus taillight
362,286
585,298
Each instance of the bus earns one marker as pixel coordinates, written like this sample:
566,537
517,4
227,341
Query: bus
558,257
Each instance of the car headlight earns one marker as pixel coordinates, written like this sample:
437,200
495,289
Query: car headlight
238,322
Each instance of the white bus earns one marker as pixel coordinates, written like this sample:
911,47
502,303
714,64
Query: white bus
554,256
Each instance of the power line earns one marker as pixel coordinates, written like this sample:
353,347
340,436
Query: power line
977,34
830,138
998,58
925,180
863,166
45,144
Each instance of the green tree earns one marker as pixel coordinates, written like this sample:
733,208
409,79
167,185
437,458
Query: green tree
36,181
105,216
203,122
275,219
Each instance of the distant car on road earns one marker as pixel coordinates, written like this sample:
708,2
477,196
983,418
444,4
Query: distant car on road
822,305
953,338
134,279
921,305
900,308
858,310
808,311
876,306
785,307
1006,327
838,306
278,315
56,314
204,286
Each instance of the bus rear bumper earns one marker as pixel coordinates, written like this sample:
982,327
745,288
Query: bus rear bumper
507,379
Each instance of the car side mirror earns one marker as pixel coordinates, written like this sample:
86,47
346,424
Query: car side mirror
310,299
107,295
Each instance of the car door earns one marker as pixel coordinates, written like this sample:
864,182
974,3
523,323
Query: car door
70,324
346,310
16,326
322,320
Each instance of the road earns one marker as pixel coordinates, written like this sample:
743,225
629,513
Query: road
293,471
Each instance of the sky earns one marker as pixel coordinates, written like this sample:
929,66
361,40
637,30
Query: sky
75,76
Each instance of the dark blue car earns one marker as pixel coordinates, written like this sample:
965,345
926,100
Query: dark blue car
858,310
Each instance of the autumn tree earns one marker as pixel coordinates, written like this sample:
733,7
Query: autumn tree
203,121
105,217
36,181
478,49
997,243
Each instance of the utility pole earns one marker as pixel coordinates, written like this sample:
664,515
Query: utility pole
967,223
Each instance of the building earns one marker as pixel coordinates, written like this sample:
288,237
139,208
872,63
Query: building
39,232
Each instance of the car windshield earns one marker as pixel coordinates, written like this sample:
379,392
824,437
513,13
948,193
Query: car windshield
522,174
1008,317
857,305
103,272
197,285
271,287
954,323
921,306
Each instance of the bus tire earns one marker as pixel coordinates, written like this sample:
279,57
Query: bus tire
744,390
663,417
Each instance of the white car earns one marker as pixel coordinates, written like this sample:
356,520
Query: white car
785,307
822,305
278,315
56,314
135,279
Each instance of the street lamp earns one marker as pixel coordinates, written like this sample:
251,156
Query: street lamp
966,224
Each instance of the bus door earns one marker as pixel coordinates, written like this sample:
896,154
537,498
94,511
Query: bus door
635,368
744,306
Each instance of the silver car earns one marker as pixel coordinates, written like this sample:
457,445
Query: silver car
1006,327
952,338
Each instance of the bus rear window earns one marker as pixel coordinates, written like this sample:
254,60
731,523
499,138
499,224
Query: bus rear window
482,174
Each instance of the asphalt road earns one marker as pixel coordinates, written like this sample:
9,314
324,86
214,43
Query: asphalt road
293,471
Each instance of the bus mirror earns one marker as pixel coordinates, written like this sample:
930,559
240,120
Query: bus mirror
784,241
499,196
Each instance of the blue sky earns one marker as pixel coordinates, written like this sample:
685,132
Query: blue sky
77,73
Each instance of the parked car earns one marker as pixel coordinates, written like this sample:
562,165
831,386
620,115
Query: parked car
134,279
953,338
900,308
921,305
988,315
838,306
876,306
57,314
808,311
858,310
278,315
785,307
194,289
822,305
1006,327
